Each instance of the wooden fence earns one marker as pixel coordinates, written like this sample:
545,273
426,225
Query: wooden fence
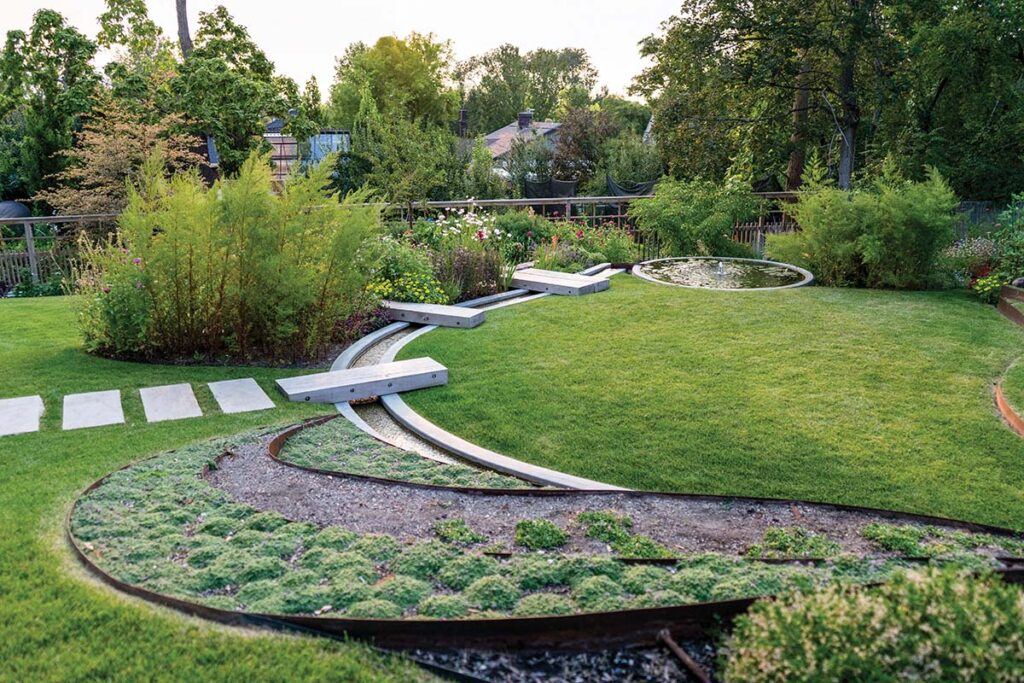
42,248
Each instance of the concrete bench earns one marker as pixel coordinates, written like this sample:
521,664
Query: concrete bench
552,282
433,314
600,283
361,383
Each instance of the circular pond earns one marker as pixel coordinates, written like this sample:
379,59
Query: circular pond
712,272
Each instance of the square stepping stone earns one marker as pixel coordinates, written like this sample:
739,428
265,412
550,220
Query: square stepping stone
20,415
240,396
93,409
169,402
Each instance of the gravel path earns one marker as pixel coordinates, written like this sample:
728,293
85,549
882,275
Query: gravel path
686,525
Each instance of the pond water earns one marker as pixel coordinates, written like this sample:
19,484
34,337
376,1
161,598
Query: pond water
715,273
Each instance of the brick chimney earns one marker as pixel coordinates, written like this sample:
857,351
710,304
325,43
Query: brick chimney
525,119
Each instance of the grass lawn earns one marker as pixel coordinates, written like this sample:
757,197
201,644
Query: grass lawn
872,398
58,624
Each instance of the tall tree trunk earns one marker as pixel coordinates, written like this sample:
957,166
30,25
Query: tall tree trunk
184,39
850,118
798,153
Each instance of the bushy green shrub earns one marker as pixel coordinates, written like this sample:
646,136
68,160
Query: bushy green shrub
575,568
492,592
598,594
533,572
524,230
333,537
444,607
411,287
376,547
793,542
262,569
232,271
889,235
404,591
904,539
642,578
462,571
457,532
539,534
544,604
374,609
935,625
695,217
423,560
346,589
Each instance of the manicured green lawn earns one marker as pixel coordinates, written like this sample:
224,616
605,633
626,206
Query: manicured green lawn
868,398
57,623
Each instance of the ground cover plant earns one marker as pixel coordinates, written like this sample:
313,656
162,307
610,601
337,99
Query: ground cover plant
932,625
160,525
339,446
59,626
873,398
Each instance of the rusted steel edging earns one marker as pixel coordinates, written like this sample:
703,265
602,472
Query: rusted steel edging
1013,420
591,630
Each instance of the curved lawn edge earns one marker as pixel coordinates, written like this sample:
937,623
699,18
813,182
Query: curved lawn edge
1010,416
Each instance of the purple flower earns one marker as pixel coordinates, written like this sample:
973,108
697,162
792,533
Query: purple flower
136,260
138,285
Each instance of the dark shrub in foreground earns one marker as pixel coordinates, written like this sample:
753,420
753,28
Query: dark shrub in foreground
936,625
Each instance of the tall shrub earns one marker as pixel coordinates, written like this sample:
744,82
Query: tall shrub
888,235
694,217
235,270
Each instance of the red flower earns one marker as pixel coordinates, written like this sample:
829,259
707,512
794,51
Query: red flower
480,235
579,234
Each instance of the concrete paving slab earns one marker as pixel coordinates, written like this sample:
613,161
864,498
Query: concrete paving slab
20,415
170,402
240,396
93,409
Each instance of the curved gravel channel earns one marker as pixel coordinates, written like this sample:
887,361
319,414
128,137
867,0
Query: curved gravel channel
683,524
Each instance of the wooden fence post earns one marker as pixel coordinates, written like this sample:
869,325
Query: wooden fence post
30,247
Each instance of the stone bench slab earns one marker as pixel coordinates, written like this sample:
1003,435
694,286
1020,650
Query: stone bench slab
361,383
600,283
553,285
20,415
92,409
170,402
433,314
240,396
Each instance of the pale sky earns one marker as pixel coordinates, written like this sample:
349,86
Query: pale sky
303,37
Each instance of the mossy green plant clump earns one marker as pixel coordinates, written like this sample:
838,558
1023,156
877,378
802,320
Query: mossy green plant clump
461,571
265,521
333,537
374,609
423,560
784,542
659,598
544,604
532,572
540,534
598,594
492,593
457,532
404,591
642,578
444,607
377,547
614,529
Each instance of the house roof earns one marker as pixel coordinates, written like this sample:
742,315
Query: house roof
500,141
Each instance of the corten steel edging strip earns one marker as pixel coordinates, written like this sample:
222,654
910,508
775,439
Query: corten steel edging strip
888,514
1010,416
1007,294
579,631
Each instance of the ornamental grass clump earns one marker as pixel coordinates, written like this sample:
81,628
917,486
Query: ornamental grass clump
236,271
932,625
